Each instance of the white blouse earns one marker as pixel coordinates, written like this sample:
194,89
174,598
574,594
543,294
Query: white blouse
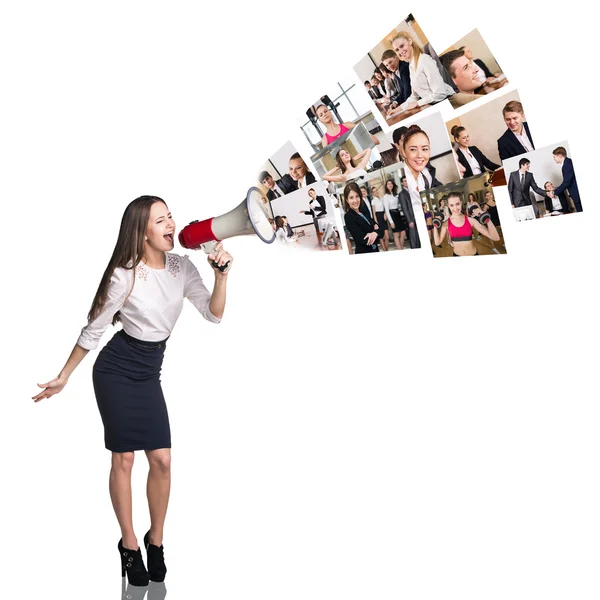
151,310
426,82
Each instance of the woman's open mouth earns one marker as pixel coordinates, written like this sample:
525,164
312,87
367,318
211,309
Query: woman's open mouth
169,236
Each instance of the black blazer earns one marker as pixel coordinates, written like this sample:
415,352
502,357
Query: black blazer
520,196
509,145
481,64
480,157
321,211
564,203
406,205
360,225
402,79
569,182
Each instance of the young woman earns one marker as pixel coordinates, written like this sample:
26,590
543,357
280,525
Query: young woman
299,172
359,224
426,81
460,228
444,209
381,227
143,287
470,157
350,167
282,231
394,214
417,152
334,130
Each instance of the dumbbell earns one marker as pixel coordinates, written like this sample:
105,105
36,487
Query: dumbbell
483,218
438,219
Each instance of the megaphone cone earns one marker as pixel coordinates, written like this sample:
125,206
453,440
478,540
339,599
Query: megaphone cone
248,218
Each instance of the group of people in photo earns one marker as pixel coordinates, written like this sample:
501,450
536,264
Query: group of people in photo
375,210
461,223
297,177
522,182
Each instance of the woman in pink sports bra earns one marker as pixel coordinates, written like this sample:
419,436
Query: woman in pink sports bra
460,228
334,130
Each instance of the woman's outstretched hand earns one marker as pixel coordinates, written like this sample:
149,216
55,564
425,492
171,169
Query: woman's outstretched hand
51,388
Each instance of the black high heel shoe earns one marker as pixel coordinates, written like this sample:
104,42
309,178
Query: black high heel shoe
132,563
156,560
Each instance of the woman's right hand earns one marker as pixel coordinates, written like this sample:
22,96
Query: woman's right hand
51,388
371,237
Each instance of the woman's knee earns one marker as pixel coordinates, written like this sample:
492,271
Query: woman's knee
160,460
122,460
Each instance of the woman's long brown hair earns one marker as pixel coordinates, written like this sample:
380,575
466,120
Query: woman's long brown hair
128,251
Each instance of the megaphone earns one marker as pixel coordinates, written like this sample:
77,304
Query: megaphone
247,218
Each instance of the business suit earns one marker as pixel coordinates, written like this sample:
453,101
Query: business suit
509,145
374,95
286,184
479,156
359,225
569,183
402,80
519,195
564,203
409,215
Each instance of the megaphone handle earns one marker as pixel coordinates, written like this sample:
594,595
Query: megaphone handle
209,247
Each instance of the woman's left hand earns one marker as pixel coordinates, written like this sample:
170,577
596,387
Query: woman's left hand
221,257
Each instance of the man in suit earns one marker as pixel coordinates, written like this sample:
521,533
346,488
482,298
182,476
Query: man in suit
278,188
519,184
569,182
517,138
409,214
374,95
401,74
465,76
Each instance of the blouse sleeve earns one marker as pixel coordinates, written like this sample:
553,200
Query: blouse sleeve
118,288
438,88
195,290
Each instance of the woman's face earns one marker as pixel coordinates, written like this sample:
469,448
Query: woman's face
345,156
417,152
472,198
389,186
464,139
442,203
403,48
377,189
160,230
297,169
353,200
468,53
455,205
324,114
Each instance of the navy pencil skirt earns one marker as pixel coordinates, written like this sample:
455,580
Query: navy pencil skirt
126,378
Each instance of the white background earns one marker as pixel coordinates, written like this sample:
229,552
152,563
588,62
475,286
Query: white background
427,429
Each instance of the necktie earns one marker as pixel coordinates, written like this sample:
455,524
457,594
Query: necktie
522,180
277,194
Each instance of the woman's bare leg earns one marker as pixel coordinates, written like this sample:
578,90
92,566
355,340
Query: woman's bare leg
120,494
158,490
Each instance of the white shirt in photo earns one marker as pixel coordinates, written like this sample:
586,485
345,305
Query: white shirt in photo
472,161
525,141
426,82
